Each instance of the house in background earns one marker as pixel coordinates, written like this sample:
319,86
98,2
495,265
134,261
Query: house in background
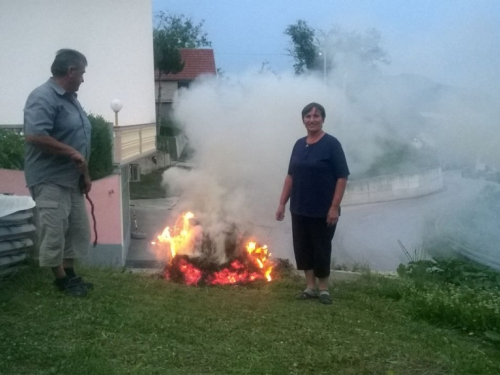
197,62
118,44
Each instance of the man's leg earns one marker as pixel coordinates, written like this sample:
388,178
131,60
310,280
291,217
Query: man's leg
52,220
58,272
68,266
77,240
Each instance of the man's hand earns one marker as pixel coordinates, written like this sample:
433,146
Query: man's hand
80,161
88,184
333,216
280,214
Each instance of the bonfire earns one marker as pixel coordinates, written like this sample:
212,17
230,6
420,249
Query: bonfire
193,259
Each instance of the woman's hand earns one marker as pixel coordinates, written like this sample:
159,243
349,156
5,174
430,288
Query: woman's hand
333,216
280,213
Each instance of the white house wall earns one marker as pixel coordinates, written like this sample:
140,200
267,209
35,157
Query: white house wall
168,90
115,36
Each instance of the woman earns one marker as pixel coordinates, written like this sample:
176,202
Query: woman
315,184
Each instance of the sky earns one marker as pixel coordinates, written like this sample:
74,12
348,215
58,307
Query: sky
450,41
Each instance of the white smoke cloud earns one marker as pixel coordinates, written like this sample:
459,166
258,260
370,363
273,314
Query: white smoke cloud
243,131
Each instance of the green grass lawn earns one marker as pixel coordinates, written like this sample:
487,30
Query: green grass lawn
140,324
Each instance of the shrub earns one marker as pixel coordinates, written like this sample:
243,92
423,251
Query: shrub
463,307
455,292
469,308
168,128
101,154
11,150
101,157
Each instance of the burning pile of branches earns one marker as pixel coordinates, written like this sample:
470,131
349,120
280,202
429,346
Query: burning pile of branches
194,261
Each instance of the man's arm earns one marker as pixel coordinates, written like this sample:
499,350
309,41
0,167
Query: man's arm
50,145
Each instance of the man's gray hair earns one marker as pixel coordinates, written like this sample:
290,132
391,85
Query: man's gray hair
66,58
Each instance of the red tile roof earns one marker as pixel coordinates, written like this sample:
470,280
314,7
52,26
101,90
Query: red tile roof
196,63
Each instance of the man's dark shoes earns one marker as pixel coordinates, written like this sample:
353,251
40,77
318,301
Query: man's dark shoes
86,284
70,272
70,287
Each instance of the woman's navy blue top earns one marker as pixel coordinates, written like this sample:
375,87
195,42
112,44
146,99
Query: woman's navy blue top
315,169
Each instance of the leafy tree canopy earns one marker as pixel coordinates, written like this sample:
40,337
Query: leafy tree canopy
172,32
304,47
348,47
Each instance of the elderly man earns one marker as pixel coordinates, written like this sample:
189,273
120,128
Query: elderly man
57,135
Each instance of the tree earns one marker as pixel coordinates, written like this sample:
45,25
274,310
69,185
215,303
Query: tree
341,47
353,46
170,33
304,49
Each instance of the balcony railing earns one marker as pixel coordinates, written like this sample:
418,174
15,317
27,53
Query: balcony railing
133,142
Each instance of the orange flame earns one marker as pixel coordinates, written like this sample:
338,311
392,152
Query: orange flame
181,239
260,256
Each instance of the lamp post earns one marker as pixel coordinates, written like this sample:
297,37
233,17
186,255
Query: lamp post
323,53
116,106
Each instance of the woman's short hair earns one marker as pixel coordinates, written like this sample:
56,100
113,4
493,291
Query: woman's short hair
66,58
310,106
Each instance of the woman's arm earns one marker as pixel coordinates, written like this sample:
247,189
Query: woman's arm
285,195
333,212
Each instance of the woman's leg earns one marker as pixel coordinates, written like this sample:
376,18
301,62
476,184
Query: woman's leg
310,279
324,283
322,245
303,254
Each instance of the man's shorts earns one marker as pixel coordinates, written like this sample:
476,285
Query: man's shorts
62,223
312,244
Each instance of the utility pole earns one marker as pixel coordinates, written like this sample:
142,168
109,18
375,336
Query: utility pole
324,63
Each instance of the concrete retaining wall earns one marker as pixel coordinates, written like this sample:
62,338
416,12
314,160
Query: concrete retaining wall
393,187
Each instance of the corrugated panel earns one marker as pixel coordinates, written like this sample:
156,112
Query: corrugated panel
14,247
16,231
16,240
21,217
12,260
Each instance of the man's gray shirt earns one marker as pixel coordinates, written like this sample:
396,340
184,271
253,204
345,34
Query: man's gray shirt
52,111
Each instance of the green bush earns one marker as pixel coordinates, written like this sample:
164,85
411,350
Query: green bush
101,157
455,292
11,150
459,306
101,154
168,128
470,308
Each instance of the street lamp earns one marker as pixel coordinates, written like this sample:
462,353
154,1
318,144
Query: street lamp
116,105
323,53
